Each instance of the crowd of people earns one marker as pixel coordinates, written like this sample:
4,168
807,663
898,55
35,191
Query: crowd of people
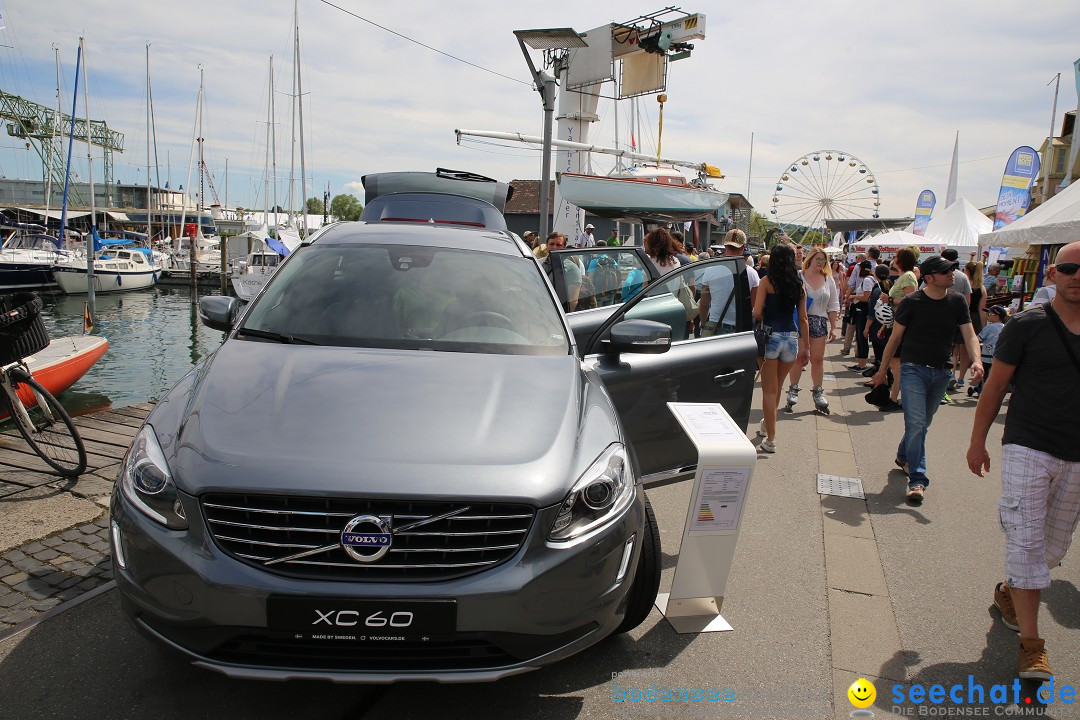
921,328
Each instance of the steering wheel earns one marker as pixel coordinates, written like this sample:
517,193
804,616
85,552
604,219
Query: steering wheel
488,318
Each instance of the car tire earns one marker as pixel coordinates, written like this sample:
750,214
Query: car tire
642,595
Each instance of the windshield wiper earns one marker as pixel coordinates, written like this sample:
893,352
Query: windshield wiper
280,337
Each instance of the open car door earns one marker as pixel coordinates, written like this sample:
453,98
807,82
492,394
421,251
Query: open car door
719,368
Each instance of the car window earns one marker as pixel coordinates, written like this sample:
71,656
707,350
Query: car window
410,297
603,277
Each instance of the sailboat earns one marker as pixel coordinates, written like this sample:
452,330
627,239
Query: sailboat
648,191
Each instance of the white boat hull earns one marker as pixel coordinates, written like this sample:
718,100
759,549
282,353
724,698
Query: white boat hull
247,286
628,198
73,280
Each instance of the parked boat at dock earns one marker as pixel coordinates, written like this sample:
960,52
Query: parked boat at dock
26,261
115,270
642,192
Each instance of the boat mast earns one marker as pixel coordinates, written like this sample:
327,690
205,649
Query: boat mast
71,143
570,145
54,127
196,241
300,109
273,143
93,210
149,216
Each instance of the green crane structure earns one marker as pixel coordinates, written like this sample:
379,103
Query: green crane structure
37,125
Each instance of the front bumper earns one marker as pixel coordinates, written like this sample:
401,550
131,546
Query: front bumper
547,603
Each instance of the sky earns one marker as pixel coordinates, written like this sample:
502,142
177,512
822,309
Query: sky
892,84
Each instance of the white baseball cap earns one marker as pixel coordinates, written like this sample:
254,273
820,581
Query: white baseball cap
589,227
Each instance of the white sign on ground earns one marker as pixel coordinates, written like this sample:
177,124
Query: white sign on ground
726,459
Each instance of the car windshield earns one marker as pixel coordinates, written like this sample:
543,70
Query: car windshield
409,297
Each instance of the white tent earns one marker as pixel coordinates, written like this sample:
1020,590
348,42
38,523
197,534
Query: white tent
959,227
1055,222
890,242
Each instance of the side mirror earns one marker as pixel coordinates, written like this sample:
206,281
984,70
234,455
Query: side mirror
218,311
637,336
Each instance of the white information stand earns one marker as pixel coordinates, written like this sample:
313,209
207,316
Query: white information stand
726,460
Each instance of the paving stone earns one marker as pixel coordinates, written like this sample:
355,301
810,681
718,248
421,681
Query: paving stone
10,600
85,554
32,548
54,578
20,616
85,572
70,535
73,567
32,565
13,555
70,548
89,529
89,584
51,541
102,546
16,578
46,554
34,589
103,522
6,570
46,604
69,582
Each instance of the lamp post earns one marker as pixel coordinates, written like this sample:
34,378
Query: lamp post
555,42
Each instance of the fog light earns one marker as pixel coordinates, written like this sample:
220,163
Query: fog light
627,553
117,547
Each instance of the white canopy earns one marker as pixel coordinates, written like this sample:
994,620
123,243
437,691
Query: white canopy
959,226
1055,222
890,242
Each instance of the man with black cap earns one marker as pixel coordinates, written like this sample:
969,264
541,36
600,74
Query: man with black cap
927,320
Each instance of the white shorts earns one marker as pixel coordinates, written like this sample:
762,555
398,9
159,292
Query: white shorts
1038,510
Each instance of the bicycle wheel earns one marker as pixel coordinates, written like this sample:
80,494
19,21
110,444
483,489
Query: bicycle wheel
51,433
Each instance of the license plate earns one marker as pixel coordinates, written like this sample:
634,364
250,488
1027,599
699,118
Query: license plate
361,618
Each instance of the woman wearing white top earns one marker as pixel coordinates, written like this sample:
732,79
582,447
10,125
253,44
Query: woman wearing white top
823,298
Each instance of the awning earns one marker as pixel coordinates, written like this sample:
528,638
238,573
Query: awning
117,216
55,214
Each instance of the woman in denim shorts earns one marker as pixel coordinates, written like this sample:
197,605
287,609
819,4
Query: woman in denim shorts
781,292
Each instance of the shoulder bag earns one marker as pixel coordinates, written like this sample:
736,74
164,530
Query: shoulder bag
686,297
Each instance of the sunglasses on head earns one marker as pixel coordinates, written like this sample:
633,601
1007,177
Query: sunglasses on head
1067,268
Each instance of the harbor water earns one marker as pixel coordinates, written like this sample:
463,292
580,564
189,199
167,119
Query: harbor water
154,337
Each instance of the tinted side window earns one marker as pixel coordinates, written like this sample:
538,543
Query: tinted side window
602,277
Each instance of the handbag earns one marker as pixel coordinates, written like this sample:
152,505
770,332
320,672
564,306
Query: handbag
686,297
762,333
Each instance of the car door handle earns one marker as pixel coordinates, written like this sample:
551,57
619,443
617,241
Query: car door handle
728,376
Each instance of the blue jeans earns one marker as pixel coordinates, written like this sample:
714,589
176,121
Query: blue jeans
922,389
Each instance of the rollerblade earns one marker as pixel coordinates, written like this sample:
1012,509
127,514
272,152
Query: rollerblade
792,397
821,404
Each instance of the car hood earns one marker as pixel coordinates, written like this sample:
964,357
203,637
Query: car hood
265,417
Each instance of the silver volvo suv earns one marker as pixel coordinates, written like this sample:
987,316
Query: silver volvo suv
401,463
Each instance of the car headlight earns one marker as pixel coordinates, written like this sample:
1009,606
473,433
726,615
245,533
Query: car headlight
146,481
602,493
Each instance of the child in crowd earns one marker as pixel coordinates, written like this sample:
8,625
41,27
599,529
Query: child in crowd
988,336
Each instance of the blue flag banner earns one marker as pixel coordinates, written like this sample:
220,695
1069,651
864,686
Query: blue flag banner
1015,195
924,208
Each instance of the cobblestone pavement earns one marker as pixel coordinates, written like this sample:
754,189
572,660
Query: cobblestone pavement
44,573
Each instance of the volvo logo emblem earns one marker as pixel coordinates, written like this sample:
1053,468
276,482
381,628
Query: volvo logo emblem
366,538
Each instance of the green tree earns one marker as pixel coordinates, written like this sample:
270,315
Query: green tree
759,227
314,206
346,207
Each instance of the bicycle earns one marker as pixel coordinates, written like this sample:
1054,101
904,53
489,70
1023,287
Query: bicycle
40,418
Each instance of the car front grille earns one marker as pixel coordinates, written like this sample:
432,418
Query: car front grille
301,536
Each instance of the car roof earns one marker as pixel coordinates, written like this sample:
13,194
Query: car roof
425,234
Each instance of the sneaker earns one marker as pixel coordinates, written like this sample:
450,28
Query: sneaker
856,368
870,371
767,446
903,466
945,399
952,384
1034,663
793,394
959,385
761,428
890,406
916,493
1003,602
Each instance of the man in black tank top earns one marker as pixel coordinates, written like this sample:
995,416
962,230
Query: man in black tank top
924,325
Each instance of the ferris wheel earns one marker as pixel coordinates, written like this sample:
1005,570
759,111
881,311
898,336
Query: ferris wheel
825,185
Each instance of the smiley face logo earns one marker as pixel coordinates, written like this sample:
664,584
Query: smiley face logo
862,693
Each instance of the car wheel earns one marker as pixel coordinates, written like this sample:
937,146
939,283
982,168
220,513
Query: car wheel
642,595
